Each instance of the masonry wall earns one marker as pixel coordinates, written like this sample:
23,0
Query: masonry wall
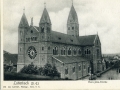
79,73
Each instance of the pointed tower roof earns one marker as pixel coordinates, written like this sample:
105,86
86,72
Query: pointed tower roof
72,15
23,21
45,17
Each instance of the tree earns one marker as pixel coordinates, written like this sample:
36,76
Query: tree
47,70
55,72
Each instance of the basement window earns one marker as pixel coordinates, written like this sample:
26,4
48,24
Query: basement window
71,40
59,38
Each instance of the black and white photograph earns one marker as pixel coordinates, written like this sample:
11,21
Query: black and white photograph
61,40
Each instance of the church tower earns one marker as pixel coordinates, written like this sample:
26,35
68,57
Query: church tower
22,30
72,23
45,38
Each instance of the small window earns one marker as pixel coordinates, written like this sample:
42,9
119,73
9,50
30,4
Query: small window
59,38
68,28
71,40
42,48
84,66
89,52
48,29
73,69
64,52
79,51
35,38
61,52
21,33
85,52
31,31
69,51
72,28
48,48
42,37
97,42
20,49
66,71
42,29
74,52
79,67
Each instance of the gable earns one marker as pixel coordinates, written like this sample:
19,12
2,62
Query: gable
64,38
32,34
97,41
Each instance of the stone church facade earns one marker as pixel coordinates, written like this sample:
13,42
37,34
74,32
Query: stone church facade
73,55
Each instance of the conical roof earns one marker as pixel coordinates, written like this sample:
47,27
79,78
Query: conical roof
45,17
23,22
72,15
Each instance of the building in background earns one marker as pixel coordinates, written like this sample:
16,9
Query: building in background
73,55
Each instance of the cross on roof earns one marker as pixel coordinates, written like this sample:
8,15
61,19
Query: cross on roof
24,10
45,4
72,2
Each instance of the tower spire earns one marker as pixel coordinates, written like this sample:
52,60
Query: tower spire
44,4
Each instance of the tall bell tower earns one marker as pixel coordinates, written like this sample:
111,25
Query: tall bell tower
22,30
45,38
72,22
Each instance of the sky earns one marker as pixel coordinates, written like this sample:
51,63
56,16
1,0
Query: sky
95,16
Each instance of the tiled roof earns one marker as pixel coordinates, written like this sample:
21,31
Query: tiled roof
87,40
64,38
70,59
69,39
10,58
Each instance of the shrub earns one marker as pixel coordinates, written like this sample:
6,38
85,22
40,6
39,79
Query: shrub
47,70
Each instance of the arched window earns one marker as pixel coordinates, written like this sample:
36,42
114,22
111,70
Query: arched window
66,71
74,51
84,66
31,31
72,28
42,29
42,48
68,28
48,29
73,69
79,68
87,51
98,53
64,51
79,51
69,51
49,48
21,33
55,51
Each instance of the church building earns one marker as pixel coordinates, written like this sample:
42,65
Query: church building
74,56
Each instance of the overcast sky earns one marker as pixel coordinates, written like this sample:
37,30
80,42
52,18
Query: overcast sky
102,16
